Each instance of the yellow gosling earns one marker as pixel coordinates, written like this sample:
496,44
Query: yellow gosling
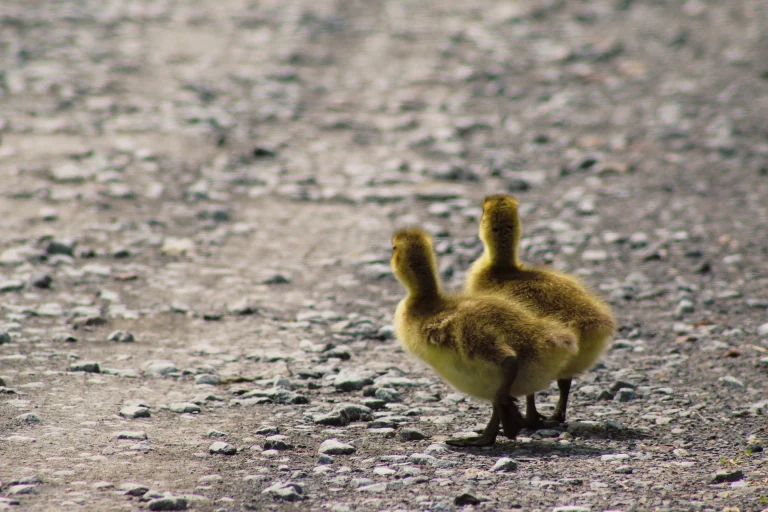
546,292
485,346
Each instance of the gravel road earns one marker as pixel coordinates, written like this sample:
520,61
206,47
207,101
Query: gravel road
196,204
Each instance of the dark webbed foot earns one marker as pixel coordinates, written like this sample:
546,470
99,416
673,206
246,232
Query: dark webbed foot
557,417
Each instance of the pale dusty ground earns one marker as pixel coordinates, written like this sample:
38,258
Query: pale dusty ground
128,126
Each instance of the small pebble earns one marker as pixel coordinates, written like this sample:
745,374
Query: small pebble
132,489
469,498
28,417
222,448
85,366
504,464
121,337
412,434
731,382
727,475
277,442
284,491
625,395
135,435
267,430
168,504
184,407
134,411
335,447
324,459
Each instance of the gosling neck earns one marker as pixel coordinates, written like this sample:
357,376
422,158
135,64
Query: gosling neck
424,287
503,254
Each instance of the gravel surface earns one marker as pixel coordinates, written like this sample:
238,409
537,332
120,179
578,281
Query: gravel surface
197,200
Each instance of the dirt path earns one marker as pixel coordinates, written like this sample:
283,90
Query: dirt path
221,179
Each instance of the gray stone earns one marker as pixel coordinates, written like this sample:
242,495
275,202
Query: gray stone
684,307
184,407
620,384
13,285
159,367
215,433
15,490
276,279
571,508
412,434
324,459
595,255
421,459
134,411
28,417
177,503
121,336
380,487
69,172
625,395
244,306
50,309
731,382
27,480
504,464
355,412
277,442
585,427
727,475
387,332
360,482
437,448
335,447
334,419
350,380
134,435
222,448
469,498
763,330
132,489
267,430
374,403
638,240
623,470
210,479
388,395
85,366
285,491
65,247
208,379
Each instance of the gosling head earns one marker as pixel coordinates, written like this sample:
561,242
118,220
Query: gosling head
500,229
413,262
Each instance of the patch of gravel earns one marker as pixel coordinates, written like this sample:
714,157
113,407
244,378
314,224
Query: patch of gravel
196,207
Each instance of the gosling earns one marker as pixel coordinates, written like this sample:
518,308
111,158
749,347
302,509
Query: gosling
548,293
487,347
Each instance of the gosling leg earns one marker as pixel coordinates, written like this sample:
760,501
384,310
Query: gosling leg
533,418
505,411
562,403
511,419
